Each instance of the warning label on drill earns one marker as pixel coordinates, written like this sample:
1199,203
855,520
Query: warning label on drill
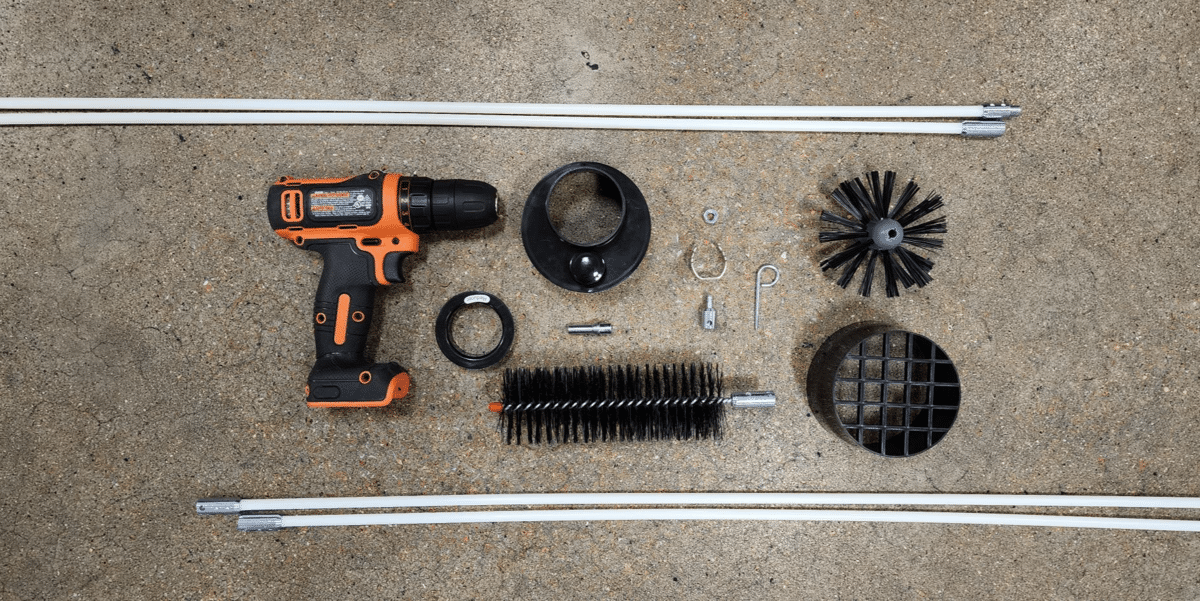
341,203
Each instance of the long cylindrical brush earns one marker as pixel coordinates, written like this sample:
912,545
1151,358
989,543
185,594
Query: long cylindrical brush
879,229
622,403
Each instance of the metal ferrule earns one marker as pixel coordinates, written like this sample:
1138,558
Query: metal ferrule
982,129
223,506
752,400
260,523
1000,111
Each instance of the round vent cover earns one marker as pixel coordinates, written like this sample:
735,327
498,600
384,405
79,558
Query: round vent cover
891,392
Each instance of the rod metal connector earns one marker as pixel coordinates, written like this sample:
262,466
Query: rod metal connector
982,129
594,328
222,506
753,400
260,523
1000,111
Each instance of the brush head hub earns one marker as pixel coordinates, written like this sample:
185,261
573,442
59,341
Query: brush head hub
886,234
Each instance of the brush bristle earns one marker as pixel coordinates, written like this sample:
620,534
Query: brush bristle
623,403
867,205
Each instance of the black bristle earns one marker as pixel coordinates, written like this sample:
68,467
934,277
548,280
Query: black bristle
841,198
931,203
835,261
868,205
625,403
910,191
933,226
881,203
912,263
889,181
889,275
868,276
858,193
853,226
848,272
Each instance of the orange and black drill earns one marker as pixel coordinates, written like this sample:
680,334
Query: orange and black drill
363,227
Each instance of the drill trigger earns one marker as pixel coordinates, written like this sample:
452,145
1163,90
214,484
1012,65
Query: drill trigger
392,266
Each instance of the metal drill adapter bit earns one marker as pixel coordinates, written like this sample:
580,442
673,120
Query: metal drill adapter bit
595,328
710,316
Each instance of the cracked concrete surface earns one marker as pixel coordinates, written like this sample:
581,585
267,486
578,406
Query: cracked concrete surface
155,331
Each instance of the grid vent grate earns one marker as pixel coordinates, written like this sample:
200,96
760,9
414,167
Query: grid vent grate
892,392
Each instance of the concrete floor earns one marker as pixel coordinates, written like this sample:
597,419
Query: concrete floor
156,339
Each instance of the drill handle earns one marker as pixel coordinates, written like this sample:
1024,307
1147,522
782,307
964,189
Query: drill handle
342,376
345,301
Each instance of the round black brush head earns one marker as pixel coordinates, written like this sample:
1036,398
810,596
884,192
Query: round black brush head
624,403
880,231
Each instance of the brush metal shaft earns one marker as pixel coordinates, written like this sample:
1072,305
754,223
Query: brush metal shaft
611,404
746,400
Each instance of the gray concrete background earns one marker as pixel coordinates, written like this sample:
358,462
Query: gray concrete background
155,330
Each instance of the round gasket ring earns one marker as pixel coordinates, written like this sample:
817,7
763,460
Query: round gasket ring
589,267
445,339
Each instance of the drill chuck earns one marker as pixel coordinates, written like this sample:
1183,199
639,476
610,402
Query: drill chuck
446,204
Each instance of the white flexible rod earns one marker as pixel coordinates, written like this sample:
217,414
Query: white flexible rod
275,522
229,506
502,108
966,128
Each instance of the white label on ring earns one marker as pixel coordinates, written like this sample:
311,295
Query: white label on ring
477,298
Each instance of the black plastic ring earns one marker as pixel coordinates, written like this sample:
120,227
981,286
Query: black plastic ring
592,267
446,341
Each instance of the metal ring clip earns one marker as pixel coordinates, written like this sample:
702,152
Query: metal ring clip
692,264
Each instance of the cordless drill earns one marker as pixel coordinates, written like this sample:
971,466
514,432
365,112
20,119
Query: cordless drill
363,227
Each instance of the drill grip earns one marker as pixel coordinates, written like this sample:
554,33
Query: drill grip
345,300
341,375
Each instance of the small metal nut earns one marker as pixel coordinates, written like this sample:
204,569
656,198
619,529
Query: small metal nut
711,216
